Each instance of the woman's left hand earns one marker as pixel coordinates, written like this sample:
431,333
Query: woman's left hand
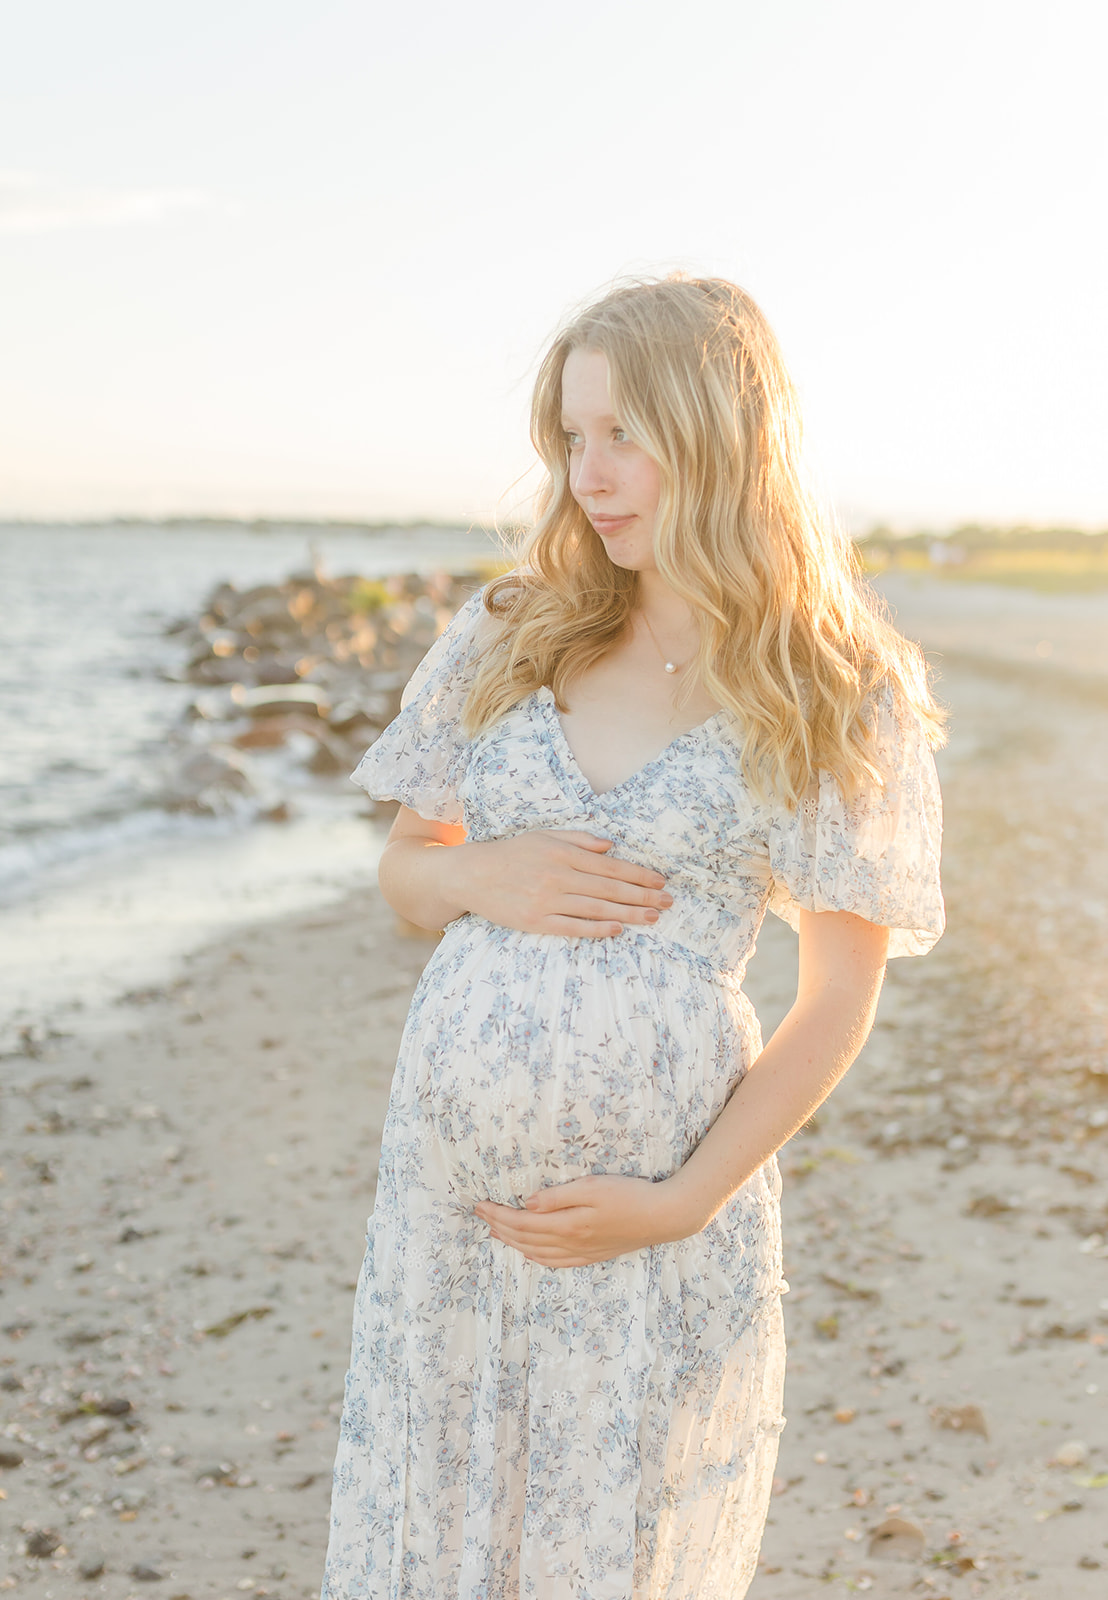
588,1219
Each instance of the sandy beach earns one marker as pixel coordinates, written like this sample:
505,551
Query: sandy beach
186,1178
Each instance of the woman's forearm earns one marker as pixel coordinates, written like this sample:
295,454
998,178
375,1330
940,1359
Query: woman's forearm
811,1050
416,877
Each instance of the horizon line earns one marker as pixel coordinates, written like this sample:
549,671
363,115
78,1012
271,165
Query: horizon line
878,527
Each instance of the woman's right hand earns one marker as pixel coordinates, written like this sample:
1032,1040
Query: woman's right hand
555,880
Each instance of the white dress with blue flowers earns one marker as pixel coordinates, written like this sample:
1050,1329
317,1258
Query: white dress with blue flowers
607,1432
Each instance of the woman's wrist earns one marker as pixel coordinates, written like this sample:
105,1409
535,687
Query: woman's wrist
417,878
454,878
686,1209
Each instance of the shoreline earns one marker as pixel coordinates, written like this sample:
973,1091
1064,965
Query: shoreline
92,931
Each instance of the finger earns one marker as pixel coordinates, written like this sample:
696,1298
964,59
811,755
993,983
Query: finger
518,1219
624,871
493,1211
554,1263
606,899
623,891
602,910
542,1233
558,1197
611,866
578,928
553,1252
592,881
549,1225
584,841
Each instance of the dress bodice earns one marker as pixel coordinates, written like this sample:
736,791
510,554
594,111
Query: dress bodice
685,813
726,854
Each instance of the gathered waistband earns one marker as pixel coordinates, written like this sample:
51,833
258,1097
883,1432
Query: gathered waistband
653,938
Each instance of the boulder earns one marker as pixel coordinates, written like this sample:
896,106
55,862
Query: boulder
279,699
206,781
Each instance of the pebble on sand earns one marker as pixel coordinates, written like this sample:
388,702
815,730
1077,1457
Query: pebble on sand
960,1419
897,1539
43,1542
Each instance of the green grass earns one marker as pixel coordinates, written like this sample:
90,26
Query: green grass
1053,561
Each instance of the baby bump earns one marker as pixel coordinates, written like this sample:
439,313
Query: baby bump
537,1059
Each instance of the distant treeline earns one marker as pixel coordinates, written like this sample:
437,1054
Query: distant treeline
970,537
183,524
1039,558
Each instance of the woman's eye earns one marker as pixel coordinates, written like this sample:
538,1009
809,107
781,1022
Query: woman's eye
572,440
619,435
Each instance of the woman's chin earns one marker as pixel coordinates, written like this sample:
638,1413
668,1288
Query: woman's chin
629,560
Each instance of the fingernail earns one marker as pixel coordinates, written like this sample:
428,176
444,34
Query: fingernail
667,899
651,916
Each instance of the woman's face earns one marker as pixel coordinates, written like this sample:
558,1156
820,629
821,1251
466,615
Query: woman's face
613,480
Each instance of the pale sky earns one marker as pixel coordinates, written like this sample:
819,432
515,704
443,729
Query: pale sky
300,257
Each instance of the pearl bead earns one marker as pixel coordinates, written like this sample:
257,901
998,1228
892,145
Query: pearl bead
671,666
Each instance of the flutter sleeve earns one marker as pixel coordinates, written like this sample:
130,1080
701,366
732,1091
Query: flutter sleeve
876,855
419,759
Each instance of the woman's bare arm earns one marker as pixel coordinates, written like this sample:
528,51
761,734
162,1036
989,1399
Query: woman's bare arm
842,966
842,963
546,881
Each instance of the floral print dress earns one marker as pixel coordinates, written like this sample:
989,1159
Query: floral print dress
608,1432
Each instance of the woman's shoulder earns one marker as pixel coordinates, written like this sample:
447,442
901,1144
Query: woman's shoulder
474,628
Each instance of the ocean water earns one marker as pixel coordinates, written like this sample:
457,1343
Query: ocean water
101,886
84,703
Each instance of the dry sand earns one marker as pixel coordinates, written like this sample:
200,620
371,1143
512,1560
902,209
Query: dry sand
186,1183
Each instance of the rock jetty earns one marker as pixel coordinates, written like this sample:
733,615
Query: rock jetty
313,667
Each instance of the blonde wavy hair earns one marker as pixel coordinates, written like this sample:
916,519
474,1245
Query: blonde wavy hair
791,639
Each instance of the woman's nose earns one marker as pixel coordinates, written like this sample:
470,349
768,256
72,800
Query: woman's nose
592,475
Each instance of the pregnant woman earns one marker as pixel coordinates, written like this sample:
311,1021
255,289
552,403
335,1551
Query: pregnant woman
678,710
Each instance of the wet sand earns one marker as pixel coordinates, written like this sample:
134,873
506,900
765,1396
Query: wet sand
186,1181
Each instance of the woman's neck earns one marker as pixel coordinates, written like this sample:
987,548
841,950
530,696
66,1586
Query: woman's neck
670,616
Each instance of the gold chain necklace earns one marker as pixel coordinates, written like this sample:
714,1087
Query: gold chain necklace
670,666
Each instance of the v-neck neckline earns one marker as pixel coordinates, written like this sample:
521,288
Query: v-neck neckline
544,697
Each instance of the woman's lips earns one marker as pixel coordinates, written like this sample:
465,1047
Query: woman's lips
610,524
